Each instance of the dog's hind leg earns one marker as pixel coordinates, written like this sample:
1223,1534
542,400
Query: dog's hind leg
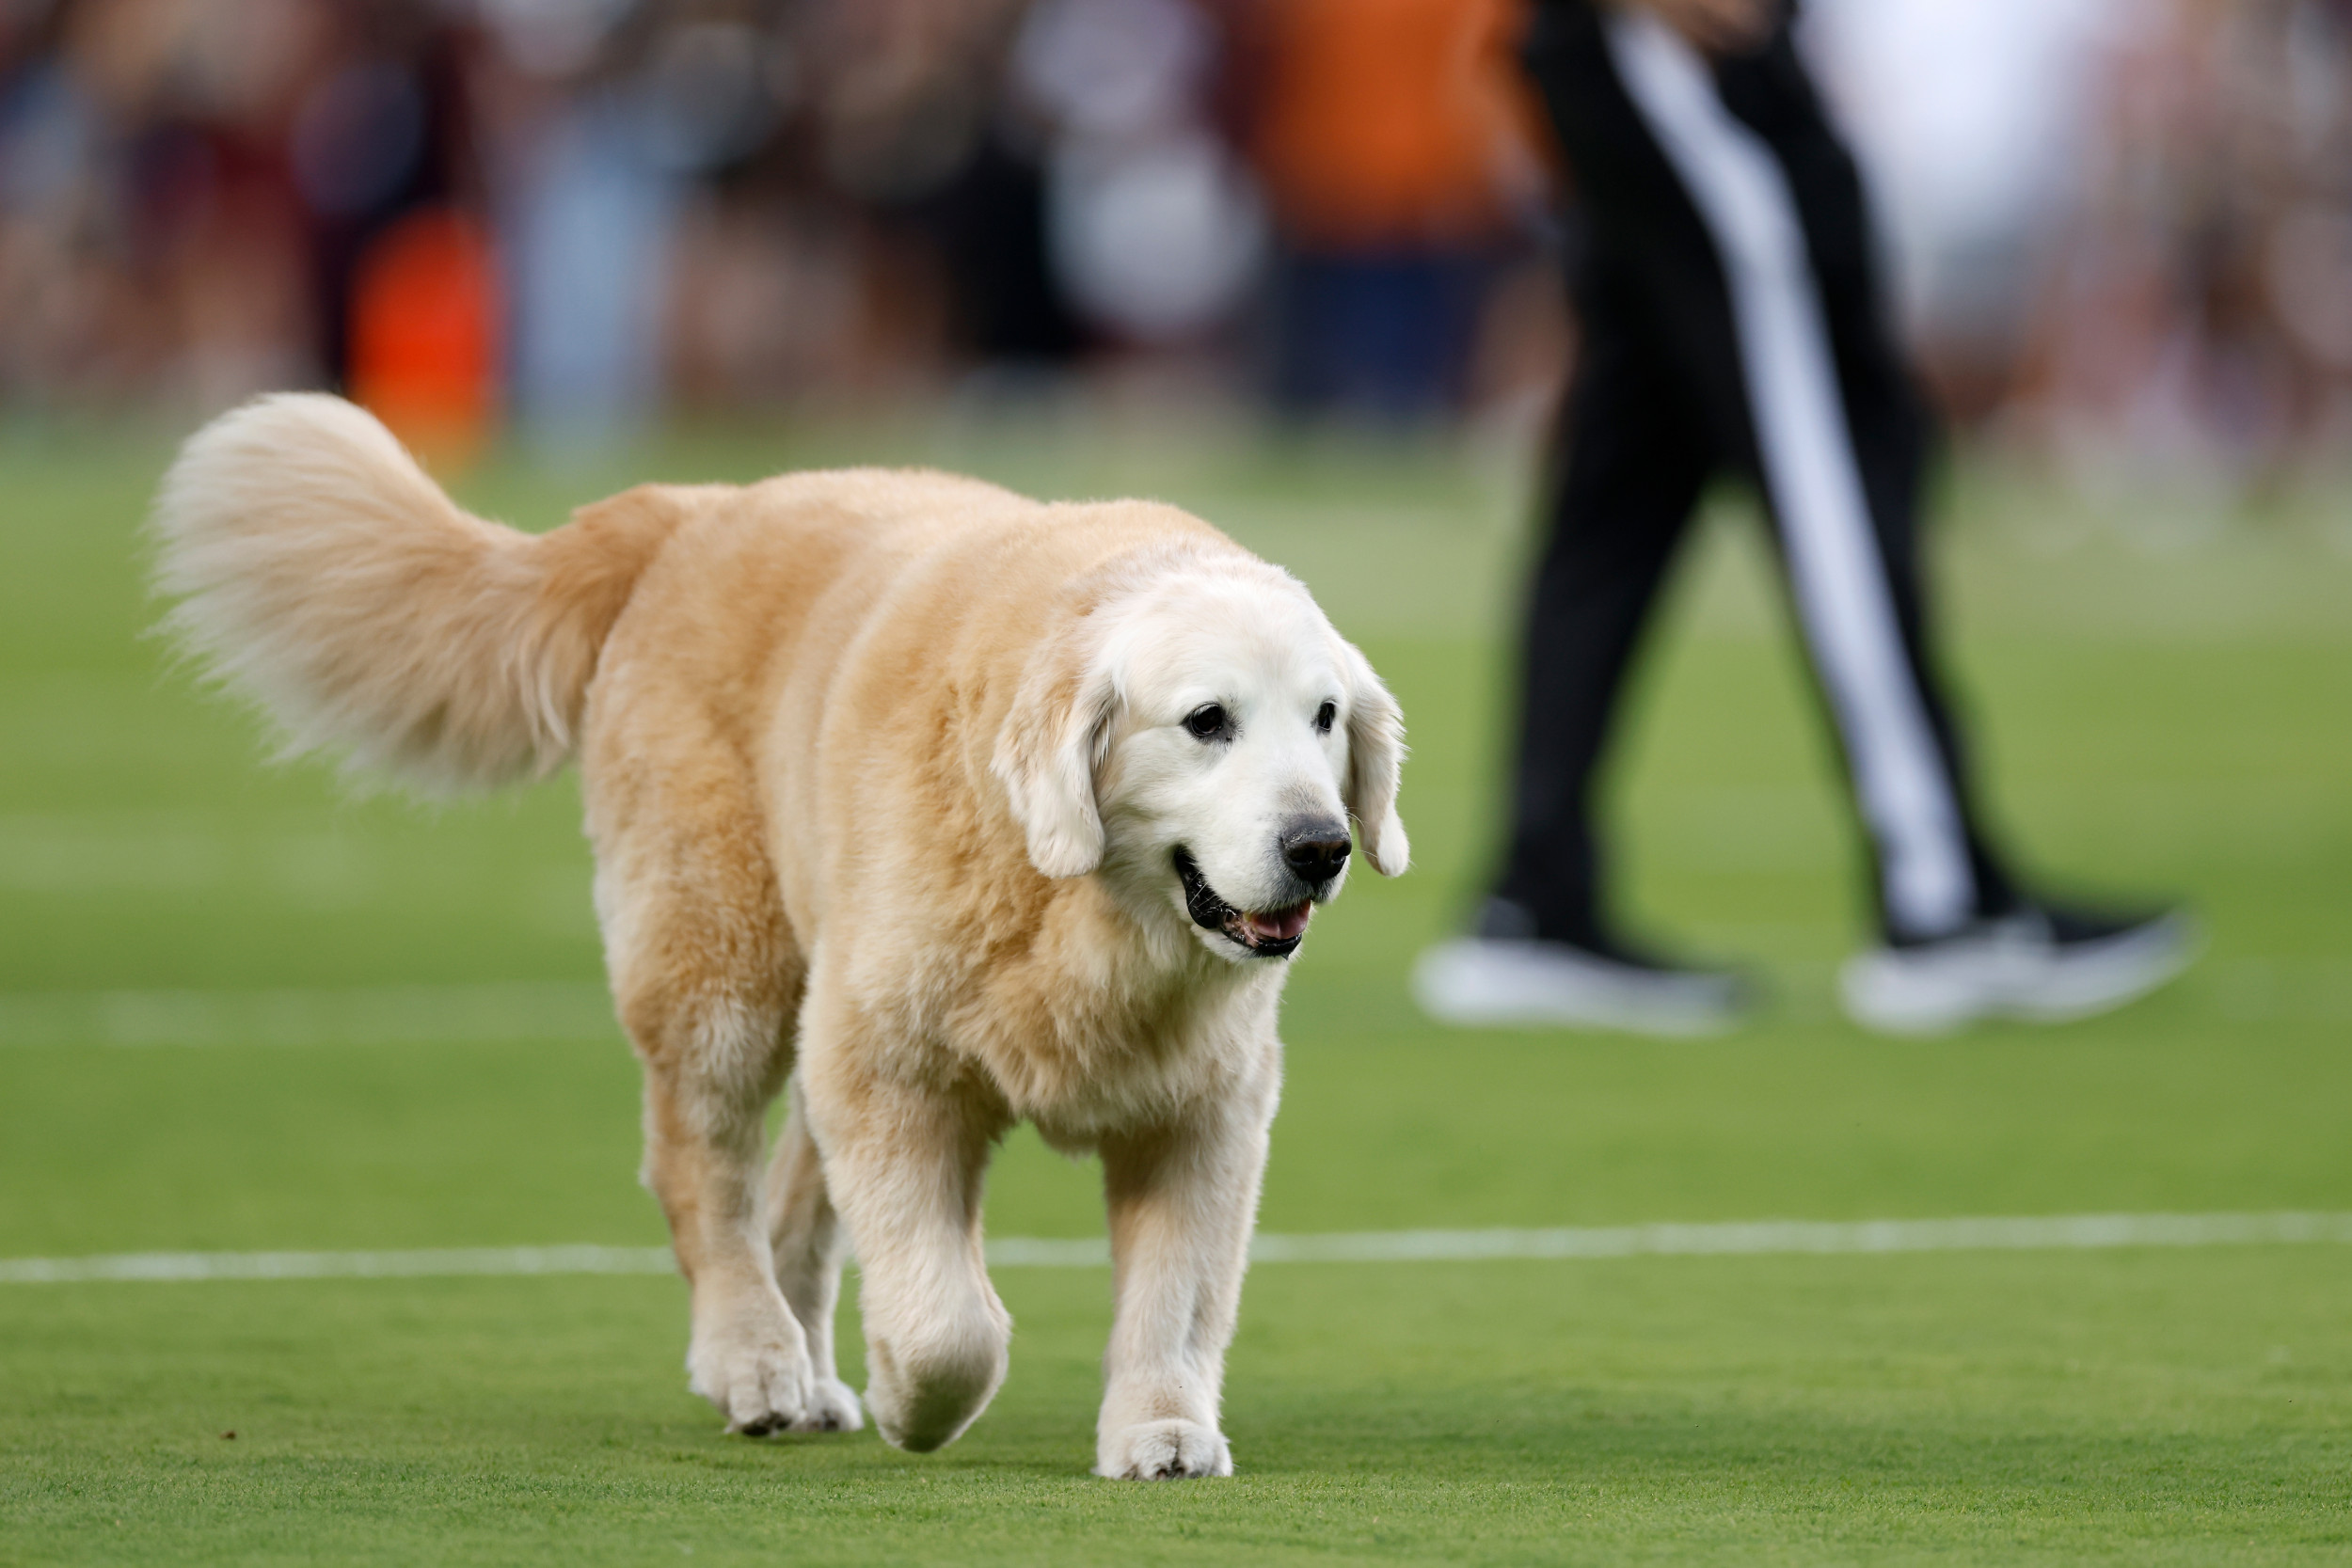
707,981
806,1234
712,1065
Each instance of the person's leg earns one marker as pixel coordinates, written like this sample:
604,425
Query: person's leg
1633,460
1635,457
1842,492
1637,444
1817,391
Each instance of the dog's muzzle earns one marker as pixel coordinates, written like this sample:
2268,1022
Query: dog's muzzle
1268,934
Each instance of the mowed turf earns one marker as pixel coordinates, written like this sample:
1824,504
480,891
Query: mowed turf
2164,710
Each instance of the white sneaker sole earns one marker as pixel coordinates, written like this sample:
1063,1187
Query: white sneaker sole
1935,989
1472,983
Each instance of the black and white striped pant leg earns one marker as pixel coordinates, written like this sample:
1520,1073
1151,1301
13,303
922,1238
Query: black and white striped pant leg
1726,193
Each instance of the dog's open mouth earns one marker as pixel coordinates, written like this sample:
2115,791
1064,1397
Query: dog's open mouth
1267,933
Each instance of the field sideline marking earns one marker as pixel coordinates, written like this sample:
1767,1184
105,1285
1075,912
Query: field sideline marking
491,1012
1762,1238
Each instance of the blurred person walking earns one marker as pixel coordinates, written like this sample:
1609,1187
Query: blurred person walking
1725,278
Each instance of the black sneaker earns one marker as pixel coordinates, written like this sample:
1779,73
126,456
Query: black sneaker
1502,978
2043,964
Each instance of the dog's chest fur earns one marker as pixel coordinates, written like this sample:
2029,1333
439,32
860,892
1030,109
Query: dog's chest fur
1092,1025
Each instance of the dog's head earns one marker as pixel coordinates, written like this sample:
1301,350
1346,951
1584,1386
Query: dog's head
1202,741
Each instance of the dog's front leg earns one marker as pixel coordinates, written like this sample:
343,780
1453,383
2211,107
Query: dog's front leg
903,1164
1183,1200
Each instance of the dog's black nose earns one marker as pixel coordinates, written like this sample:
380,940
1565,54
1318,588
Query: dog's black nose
1317,853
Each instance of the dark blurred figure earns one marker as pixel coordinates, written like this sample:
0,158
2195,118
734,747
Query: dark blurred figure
1732,320
1155,228
909,105
1387,134
381,148
372,137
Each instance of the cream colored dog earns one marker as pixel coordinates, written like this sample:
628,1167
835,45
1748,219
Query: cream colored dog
945,807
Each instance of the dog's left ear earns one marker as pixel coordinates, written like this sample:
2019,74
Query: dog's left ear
1056,737
1376,758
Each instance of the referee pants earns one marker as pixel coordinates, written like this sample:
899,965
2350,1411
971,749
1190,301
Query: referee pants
1732,323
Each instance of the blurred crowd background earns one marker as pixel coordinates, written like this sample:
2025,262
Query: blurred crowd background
2123,228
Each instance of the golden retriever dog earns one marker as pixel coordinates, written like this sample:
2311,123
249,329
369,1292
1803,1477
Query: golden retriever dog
943,807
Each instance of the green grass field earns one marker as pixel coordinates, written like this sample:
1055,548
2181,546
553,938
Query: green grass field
2164,710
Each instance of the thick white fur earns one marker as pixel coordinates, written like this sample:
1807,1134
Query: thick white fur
886,774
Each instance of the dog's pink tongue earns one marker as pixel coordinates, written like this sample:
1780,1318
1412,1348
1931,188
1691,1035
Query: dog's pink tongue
1279,924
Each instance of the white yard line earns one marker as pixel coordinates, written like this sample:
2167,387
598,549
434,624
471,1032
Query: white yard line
439,1262
366,1015
1750,1239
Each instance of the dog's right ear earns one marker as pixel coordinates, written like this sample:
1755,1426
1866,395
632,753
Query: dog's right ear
1052,742
1375,763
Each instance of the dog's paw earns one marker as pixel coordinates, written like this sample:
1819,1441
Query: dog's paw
1163,1450
761,1384
923,1393
833,1406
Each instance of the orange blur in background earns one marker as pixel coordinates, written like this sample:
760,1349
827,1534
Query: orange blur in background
424,333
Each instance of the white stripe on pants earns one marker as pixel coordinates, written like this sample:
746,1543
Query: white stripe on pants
1811,474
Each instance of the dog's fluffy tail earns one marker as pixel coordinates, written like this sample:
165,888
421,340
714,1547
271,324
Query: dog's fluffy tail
322,574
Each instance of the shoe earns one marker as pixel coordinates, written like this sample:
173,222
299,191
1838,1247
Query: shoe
2042,964
1487,981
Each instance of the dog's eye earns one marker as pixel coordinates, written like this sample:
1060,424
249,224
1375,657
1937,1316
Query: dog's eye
1209,722
1326,716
